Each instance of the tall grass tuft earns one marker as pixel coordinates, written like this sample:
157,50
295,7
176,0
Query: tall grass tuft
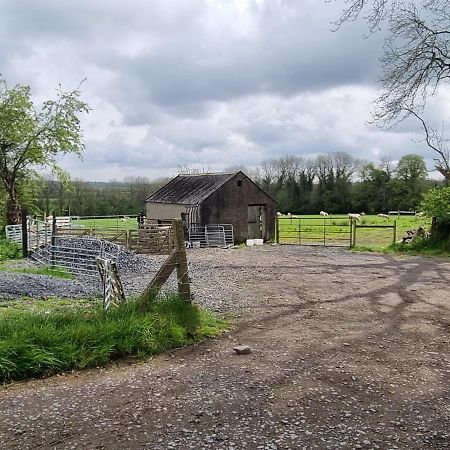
35,344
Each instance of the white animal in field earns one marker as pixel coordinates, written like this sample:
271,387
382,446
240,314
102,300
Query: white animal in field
289,214
420,214
323,213
362,214
278,213
357,217
384,216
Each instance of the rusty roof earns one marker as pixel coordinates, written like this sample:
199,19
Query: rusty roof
190,189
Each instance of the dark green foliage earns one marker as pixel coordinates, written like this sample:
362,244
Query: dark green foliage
9,250
327,183
34,344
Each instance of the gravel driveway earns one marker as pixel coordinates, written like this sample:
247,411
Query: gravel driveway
349,351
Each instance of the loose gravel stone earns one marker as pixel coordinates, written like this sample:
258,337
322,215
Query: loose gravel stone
302,389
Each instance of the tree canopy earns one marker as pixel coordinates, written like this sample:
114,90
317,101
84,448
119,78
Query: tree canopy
32,137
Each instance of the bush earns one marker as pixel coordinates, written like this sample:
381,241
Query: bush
9,250
41,343
436,203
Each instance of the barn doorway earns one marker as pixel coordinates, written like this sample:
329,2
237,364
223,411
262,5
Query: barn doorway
257,222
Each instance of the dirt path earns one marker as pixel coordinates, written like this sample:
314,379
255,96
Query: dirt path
349,351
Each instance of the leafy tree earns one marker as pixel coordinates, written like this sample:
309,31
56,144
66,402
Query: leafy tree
32,137
409,182
373,193
436,203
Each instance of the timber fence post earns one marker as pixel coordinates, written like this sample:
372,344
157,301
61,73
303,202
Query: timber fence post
24,233
184,288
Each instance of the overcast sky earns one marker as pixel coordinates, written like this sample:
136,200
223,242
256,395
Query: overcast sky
210,83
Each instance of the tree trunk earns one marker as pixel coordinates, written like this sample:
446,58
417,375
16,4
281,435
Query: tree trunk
13,209
440,231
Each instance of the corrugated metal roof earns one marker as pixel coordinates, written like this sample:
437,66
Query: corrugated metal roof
190,189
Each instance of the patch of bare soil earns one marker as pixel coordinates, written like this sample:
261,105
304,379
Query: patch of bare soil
349,351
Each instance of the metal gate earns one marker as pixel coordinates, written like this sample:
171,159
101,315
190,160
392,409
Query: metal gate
76,255
220,235
315,231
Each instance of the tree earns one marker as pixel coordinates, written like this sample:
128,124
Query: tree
416,60
435,204
32,137
374,190
409,183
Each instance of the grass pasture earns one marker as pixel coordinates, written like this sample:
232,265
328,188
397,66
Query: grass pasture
335,229
121,223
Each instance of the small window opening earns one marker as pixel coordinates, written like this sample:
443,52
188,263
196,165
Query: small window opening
239,183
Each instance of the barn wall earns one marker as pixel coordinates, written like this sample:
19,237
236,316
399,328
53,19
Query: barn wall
163,211
229,204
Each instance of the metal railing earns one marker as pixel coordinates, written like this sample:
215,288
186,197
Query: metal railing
76,255
217,235
314,231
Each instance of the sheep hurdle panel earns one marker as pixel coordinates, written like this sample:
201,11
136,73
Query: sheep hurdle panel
108,234
151,240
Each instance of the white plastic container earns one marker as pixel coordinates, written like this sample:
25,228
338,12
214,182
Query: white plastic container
258,241
250,242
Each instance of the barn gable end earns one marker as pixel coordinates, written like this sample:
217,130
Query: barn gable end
225,198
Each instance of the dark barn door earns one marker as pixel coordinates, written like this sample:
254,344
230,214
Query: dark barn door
256,221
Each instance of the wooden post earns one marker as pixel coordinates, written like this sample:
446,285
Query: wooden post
277,230
53,239
395,232
24,233
354,231
184,288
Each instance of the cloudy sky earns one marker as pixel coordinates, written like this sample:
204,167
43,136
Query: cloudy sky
205,83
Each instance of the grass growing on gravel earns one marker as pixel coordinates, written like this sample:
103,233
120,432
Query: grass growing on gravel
41,343
56,272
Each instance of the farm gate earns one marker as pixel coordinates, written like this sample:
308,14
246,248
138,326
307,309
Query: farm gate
314,231
333,232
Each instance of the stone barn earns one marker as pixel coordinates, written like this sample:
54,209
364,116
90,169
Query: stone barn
216,198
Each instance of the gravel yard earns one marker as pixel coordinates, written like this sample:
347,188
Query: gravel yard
349,351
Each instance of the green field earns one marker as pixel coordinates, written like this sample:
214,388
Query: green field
121,223
335,229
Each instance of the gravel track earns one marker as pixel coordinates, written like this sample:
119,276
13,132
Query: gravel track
349,351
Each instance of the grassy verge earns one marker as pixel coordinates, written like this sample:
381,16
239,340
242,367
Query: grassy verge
36,343
423,247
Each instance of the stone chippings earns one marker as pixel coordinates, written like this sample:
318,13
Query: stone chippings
348,351
213,287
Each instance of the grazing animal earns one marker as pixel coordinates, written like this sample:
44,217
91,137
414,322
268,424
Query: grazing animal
420,214
323,213
278,213
362,214
384,216
357,217
289,214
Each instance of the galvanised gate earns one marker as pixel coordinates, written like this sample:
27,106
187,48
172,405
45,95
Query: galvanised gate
322,231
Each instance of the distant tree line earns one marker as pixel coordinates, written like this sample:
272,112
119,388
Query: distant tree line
339,183
332,182
84,198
